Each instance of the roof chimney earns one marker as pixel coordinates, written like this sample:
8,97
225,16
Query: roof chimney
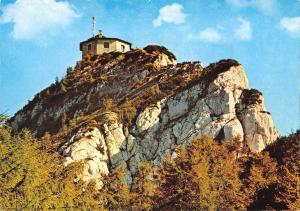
100,35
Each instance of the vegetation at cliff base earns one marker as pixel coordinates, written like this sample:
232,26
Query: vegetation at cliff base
203,175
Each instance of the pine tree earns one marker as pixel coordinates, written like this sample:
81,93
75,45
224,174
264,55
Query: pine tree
286,151
32,176
259,176
108,104
115,191
143,191
63,88
127,112
202,176
25,172
3,119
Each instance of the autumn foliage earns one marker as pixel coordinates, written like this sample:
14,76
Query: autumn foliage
204,175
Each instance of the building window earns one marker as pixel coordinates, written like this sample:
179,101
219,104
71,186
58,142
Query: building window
123,48
89,47
106,44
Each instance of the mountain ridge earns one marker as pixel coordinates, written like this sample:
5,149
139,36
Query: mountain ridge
133,107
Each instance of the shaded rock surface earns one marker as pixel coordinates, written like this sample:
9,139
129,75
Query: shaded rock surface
173,102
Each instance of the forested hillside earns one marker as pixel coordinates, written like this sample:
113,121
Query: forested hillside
205,175
140,131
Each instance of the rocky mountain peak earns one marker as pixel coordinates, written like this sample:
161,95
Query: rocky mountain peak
127,108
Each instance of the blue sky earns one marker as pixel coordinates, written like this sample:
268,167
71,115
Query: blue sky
40,38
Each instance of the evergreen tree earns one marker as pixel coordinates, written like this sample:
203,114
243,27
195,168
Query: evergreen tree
108,104
202,176
115,192
3,119
143,191
25,172
127,112
259,176
286,151
32,176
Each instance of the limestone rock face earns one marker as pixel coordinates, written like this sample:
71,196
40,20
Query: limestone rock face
148,118
225,109
137,106
114,138
258,125
88,146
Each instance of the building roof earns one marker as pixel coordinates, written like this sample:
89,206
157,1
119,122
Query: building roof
103,38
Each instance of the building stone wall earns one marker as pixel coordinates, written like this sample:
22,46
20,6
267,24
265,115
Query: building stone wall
97,47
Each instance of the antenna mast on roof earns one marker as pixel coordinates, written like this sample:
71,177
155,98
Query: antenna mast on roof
94,23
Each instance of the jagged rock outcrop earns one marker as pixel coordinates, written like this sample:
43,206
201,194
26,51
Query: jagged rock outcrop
258,126
158,104
89,146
